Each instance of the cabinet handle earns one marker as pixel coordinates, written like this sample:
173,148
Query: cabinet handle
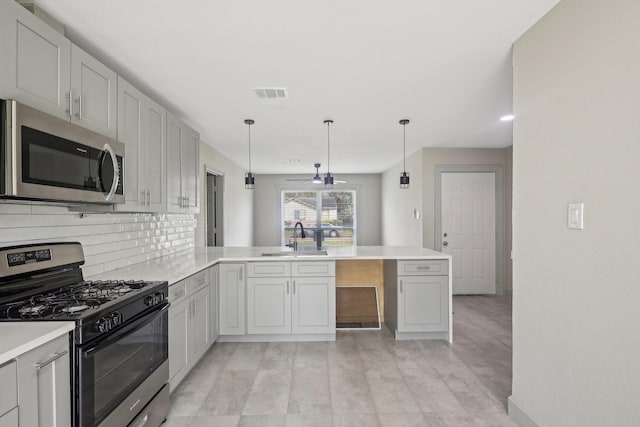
70,99
148,198
53,358
294,287
400,285
241,273
79,113
287,287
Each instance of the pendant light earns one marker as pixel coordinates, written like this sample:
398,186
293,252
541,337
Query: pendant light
317,179
404,176
328,178
249,178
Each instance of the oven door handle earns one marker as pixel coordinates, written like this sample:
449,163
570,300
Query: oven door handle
127,329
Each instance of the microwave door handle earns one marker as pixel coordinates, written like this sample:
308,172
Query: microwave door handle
116,172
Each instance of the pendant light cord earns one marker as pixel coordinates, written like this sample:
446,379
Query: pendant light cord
328,147
404,148
249,126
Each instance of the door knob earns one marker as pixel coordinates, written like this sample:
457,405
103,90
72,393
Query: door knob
445,243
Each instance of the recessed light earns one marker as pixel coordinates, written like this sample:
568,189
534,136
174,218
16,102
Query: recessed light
507,118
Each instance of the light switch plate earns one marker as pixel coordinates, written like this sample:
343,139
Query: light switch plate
575,216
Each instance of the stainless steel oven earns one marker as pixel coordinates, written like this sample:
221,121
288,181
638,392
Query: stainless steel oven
120,373
45,158
119,347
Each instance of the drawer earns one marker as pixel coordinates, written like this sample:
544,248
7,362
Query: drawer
197,281
178,291
268,269
8,387
313,268
423,268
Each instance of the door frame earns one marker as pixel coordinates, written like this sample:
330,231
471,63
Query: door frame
498,171
208,170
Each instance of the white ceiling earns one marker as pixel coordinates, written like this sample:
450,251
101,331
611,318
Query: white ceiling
443,64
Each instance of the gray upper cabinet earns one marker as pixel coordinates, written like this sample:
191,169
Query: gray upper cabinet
141,127
42,68
183,148
93,93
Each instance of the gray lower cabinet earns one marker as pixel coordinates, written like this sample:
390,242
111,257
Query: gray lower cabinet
232,299
189,324
417,297
44,392
291,297
214,289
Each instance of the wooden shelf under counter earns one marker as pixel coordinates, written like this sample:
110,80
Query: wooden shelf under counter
360,272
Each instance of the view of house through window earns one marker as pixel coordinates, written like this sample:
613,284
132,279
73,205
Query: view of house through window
328,217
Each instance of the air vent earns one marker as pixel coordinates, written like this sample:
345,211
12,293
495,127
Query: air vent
270,92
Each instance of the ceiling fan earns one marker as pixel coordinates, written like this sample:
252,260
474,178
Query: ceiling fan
317,179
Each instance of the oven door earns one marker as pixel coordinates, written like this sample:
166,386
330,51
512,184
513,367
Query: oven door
110,368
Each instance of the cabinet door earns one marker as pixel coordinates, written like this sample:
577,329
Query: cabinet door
174,183
314,305
268,305
232,299
94,91
423,303
178,342
154,123
10,419
199,324
44,392
213,303
190,171
130,102
35,65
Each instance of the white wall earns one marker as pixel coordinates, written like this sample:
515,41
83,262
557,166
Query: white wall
268,197
576,295
399,225
109,241
237,202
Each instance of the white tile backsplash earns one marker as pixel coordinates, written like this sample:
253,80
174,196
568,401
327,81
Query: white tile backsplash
109,241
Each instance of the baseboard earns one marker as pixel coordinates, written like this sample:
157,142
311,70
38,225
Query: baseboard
519,415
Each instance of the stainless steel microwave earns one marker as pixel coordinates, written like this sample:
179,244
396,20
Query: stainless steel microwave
46,158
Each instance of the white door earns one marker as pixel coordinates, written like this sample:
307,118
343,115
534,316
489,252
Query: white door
469,230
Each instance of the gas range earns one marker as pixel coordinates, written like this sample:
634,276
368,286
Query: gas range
97,306
121,326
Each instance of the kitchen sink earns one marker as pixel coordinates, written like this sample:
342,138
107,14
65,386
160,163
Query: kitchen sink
296,253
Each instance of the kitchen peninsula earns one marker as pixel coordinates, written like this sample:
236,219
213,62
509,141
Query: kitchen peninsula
249,294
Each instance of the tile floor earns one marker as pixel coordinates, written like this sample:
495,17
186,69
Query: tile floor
364,378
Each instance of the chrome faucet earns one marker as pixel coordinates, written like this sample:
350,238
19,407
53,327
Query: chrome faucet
295,235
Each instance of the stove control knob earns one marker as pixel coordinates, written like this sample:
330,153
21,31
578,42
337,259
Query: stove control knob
148,300
103,325
116,319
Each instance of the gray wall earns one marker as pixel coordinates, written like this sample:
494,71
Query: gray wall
237,202
267,201
576,294
401,228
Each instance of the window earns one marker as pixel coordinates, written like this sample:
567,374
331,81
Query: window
328,217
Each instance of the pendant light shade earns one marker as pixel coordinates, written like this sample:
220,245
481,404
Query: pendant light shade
317,179
328,178
404,176
249,178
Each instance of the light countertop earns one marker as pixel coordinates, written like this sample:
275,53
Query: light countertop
17,338
178,266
